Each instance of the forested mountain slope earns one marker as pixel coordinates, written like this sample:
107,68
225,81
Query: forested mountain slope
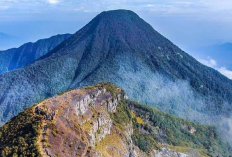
119,47
16,58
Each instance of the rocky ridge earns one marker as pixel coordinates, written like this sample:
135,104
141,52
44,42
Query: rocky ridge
98,121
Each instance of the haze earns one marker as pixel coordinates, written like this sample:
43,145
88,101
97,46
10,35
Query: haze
190,24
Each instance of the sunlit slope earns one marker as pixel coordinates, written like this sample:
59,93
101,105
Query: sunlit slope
99,121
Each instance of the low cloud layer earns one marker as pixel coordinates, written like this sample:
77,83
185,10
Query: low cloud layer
226,129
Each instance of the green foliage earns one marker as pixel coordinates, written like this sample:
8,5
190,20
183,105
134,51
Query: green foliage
145,142
163,127
111,88
19,136
122,116
19,57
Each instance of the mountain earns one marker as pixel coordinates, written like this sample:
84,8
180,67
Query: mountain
18,57
6,40
119,47
226,47
4,36
99,121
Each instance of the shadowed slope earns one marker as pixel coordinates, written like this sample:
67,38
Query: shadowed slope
16,58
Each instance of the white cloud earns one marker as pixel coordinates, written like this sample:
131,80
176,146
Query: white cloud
53,1
5,7
163,6
213,64
150,5
226,129
210,62
226,72
207,9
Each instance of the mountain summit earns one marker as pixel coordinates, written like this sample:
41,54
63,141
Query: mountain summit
119,47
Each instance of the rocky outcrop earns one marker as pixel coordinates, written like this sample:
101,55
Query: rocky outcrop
84,124
101,124
82,120
132,150
83,105
190,129
87,111
100,128
97,122
165,152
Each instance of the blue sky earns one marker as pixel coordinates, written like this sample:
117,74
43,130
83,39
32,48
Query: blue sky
188,23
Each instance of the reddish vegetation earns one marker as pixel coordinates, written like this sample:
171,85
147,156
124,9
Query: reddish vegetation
64,134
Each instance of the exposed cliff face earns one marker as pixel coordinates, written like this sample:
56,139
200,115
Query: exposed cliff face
98,121
82,126
82,119
164,152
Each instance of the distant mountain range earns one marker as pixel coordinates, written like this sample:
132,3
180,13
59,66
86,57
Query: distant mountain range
4,36
6,40
18,57
120,47
99,121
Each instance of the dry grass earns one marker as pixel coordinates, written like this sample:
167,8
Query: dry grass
114,140
138,119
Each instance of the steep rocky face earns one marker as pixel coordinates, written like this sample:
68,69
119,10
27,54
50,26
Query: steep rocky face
18,57
165,152
119,47
98,121
79,123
